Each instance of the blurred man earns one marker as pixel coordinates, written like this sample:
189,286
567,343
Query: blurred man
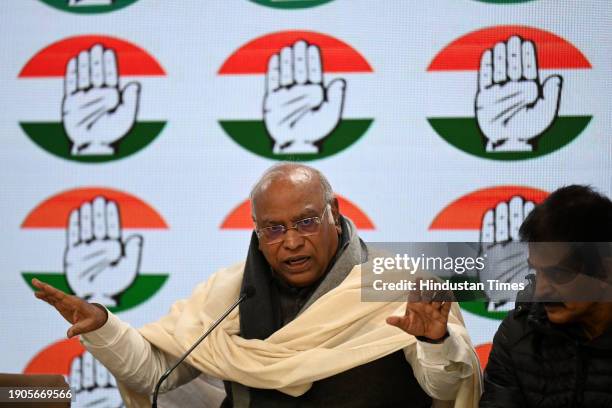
555,348
305,338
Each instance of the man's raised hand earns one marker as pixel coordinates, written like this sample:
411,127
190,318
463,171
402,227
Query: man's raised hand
424,317
83,316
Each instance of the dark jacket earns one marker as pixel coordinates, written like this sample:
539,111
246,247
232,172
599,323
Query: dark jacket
535,363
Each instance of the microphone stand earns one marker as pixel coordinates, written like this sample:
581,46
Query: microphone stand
249,291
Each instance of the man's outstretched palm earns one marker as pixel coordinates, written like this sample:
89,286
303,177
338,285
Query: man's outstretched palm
513,107
299,110
83,316
423,317
95,112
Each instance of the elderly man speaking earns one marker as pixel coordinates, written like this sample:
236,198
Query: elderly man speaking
305,339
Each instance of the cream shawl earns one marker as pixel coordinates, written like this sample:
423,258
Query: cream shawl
336,333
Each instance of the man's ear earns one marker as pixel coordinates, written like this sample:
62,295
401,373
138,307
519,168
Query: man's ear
335,212
255,230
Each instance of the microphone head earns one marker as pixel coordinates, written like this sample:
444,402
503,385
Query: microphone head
249,291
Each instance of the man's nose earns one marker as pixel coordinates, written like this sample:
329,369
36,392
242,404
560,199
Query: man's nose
544,291
293,239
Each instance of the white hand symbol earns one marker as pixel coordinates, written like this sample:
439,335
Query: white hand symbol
506,258
299,111
90,2
98,264
92,384
512,107
95,113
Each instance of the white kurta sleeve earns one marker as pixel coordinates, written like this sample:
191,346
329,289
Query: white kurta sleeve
440,368
132,359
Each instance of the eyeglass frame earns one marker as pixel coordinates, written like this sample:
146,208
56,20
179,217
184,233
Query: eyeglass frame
318,220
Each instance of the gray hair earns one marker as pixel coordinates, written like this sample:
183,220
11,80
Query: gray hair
281,170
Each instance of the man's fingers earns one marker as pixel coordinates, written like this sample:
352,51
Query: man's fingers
70,81
273,76
485,75
85,222
445,309
97,66
79,327
99,218
51,292
315,69
501,222
516,216
286,67
515,67
529,59
83,70
111,75
300,69
415,294
499,63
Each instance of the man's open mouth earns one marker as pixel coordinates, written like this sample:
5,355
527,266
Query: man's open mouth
297,262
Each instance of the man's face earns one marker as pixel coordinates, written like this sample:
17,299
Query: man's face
559,283
299,260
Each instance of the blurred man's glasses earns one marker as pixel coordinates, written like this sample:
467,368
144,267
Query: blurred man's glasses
305,227
557,274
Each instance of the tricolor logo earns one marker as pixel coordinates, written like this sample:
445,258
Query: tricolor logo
93,115
91,382
305,78
494,215
95,259
291,4
519,99
89,6
240,217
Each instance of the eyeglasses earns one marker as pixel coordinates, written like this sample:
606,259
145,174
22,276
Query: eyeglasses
557,274
305,227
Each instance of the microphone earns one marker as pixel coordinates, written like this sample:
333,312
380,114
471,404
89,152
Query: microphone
248,292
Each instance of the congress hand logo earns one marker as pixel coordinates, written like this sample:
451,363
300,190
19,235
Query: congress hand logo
507,263
513,107
92,384
98,263
95,112
299,109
